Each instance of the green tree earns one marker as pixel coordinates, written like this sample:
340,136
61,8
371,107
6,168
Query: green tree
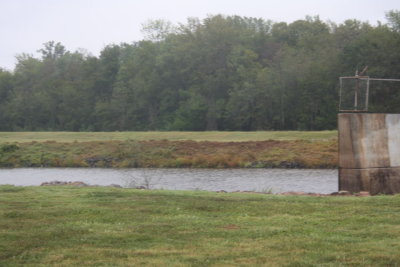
393,18
6,95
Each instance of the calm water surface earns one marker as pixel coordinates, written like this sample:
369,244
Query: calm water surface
275,180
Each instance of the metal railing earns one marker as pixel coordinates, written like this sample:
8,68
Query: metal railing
357,106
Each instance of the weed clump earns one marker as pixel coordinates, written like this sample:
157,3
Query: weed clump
11,189
9,148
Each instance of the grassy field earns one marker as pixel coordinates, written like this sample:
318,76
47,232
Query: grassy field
98,226
172,154
169,149
171,136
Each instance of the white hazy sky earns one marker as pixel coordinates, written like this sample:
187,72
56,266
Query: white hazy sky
92,24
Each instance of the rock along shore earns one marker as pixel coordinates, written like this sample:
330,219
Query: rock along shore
290,193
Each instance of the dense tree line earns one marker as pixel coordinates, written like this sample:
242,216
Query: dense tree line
220,73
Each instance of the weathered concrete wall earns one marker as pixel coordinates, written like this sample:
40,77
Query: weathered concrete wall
369,152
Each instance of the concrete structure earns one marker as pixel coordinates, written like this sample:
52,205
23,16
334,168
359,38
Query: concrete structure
369,152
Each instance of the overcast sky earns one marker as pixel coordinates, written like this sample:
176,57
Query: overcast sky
92,24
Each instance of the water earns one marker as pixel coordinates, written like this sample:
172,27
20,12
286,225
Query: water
259,180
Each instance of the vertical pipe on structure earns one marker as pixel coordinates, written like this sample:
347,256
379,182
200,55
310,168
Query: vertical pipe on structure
367,96
338,148
340,92
356,94
338,132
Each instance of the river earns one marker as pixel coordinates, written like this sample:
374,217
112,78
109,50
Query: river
259,180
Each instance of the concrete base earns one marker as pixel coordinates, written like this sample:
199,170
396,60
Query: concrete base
374,180
369,152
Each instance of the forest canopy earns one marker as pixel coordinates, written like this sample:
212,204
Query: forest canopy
219,73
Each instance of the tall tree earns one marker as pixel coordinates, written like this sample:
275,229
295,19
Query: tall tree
219,73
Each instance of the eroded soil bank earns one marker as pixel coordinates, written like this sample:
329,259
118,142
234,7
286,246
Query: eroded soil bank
172,154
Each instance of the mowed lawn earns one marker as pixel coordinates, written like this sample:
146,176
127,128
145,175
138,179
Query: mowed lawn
216,136
100,226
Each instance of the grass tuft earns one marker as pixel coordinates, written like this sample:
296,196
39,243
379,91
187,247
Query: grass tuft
11,189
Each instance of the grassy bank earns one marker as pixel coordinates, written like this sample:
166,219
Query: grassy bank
171,136
95,226
172,154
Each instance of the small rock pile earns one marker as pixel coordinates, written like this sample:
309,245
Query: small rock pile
300,193
340,193
76,183
53,183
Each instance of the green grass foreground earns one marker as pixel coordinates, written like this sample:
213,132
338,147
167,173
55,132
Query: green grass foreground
100,226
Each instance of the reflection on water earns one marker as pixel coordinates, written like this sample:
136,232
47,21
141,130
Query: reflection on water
275,180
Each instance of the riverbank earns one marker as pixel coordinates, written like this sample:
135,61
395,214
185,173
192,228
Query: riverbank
171,154
92,226
288,193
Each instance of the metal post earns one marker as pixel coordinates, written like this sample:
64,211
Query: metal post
356,94
367,96
340,92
